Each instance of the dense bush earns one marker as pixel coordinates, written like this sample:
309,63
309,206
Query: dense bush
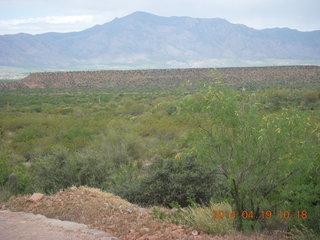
60,169
174,180
13,180
50,172
95,166
5,170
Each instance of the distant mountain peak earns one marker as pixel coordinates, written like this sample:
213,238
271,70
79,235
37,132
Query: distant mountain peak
141,15
144,38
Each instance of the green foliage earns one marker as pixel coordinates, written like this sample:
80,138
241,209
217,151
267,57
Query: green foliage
254,145
311,96
301,232
51,172
201,218
27,134
276,98
96,166
158,214
5,169
23,184
257,153
173,180
5,193
76,137
13,180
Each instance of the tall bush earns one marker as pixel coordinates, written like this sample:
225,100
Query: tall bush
172,180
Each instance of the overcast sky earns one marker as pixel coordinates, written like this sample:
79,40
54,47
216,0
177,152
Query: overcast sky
39,16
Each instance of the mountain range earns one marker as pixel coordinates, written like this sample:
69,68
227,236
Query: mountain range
148,40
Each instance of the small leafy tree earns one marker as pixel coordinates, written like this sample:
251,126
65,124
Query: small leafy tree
256,152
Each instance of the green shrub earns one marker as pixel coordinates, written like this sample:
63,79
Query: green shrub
173,181
77,132
5,170
5,193
50,172
13,180
301,232
23,184
27,134
201,219
77,137
311,96
61,169
96,166
13,124
90,168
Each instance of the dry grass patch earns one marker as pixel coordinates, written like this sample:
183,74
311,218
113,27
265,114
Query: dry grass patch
201,218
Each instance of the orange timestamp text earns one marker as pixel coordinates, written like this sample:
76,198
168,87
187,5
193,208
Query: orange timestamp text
259,215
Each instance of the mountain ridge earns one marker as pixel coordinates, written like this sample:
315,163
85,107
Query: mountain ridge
147,38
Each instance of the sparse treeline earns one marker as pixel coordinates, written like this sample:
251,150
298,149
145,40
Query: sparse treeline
258,150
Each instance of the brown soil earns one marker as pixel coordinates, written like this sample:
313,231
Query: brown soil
109,213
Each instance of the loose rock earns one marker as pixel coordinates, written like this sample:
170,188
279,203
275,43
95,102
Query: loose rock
36,197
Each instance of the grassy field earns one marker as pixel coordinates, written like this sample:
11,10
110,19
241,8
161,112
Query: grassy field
252,145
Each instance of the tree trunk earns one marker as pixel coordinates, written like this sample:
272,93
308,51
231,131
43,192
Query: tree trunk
236,198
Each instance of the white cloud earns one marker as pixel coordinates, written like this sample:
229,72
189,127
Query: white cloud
68,19
39,16
49,19
47,24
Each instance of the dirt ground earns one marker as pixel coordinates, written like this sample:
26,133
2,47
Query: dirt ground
109,213
25,226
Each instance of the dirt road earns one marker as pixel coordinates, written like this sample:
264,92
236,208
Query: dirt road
27,226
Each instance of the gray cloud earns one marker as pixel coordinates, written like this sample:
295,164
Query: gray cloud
34,16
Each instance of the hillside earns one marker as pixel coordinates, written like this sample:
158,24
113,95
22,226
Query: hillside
145,39
167,77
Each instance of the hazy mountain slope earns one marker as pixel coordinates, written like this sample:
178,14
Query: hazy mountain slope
146,37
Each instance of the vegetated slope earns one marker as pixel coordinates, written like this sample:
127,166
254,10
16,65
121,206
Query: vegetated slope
146,38
110,213
167,77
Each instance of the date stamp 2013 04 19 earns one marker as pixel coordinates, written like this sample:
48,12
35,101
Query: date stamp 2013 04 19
260,215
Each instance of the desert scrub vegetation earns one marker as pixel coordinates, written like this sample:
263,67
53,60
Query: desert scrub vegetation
262,155
199,217
254,148
174,180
